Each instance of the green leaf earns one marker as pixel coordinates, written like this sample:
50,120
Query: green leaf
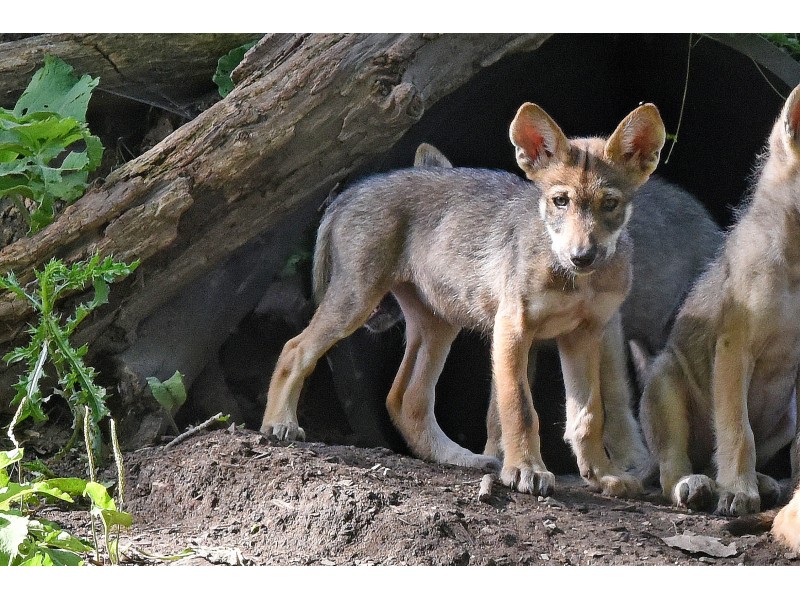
226,65
55,89
9,457
74,486
58,538
170,394
15,492
99,496
40,155
13,532
113,517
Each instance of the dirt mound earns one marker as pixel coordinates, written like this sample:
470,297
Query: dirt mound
235,497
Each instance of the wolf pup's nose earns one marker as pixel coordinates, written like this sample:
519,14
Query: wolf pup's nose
583,257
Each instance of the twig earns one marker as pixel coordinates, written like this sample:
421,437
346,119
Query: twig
120,483
485,490
87,438
774,89
190,432
683,100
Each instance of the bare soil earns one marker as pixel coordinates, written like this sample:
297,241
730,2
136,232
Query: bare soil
235,497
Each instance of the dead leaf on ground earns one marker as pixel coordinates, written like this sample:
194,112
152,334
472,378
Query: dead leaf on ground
701,544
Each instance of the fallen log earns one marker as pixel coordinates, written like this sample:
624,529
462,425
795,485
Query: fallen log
307,111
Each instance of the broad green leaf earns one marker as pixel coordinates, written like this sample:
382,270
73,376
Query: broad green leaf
13,531
75,160
9,457
15,186
7,155
39,155
14,492
51,127
59,558
94,150
38,559
113,517
99,495
171,394
18,167
226,65
54,88
74,486
56,537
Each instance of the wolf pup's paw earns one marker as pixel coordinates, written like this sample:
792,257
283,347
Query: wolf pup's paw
620,485
770,491
738,503
697,492
529,480
283,431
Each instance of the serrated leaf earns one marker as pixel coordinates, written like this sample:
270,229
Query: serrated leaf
101,290
13,532
170,394
54,88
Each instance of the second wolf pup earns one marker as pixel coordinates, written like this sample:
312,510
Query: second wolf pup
486,250
720,398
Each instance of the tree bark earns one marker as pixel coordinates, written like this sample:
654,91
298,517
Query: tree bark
167,71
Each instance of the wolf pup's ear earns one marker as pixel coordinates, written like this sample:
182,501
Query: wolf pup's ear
430,156
537,138
636,143
790,116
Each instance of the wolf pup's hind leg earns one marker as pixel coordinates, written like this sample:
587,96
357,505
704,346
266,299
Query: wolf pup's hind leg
411,400
339,314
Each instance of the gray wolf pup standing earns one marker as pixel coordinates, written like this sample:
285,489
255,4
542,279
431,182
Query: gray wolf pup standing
486,250
721,399
674,239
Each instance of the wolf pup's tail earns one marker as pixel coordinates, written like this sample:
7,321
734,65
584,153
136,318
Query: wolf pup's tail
751,524
321,271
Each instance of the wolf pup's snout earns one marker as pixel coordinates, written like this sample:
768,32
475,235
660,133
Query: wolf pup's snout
583,257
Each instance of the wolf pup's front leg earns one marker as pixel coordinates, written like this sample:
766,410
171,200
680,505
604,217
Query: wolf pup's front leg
579,351
523,467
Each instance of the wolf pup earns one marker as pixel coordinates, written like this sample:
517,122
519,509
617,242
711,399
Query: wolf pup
486,250
720,397
673,239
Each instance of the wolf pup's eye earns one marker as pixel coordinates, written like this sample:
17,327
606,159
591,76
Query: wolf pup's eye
561,200
609,204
